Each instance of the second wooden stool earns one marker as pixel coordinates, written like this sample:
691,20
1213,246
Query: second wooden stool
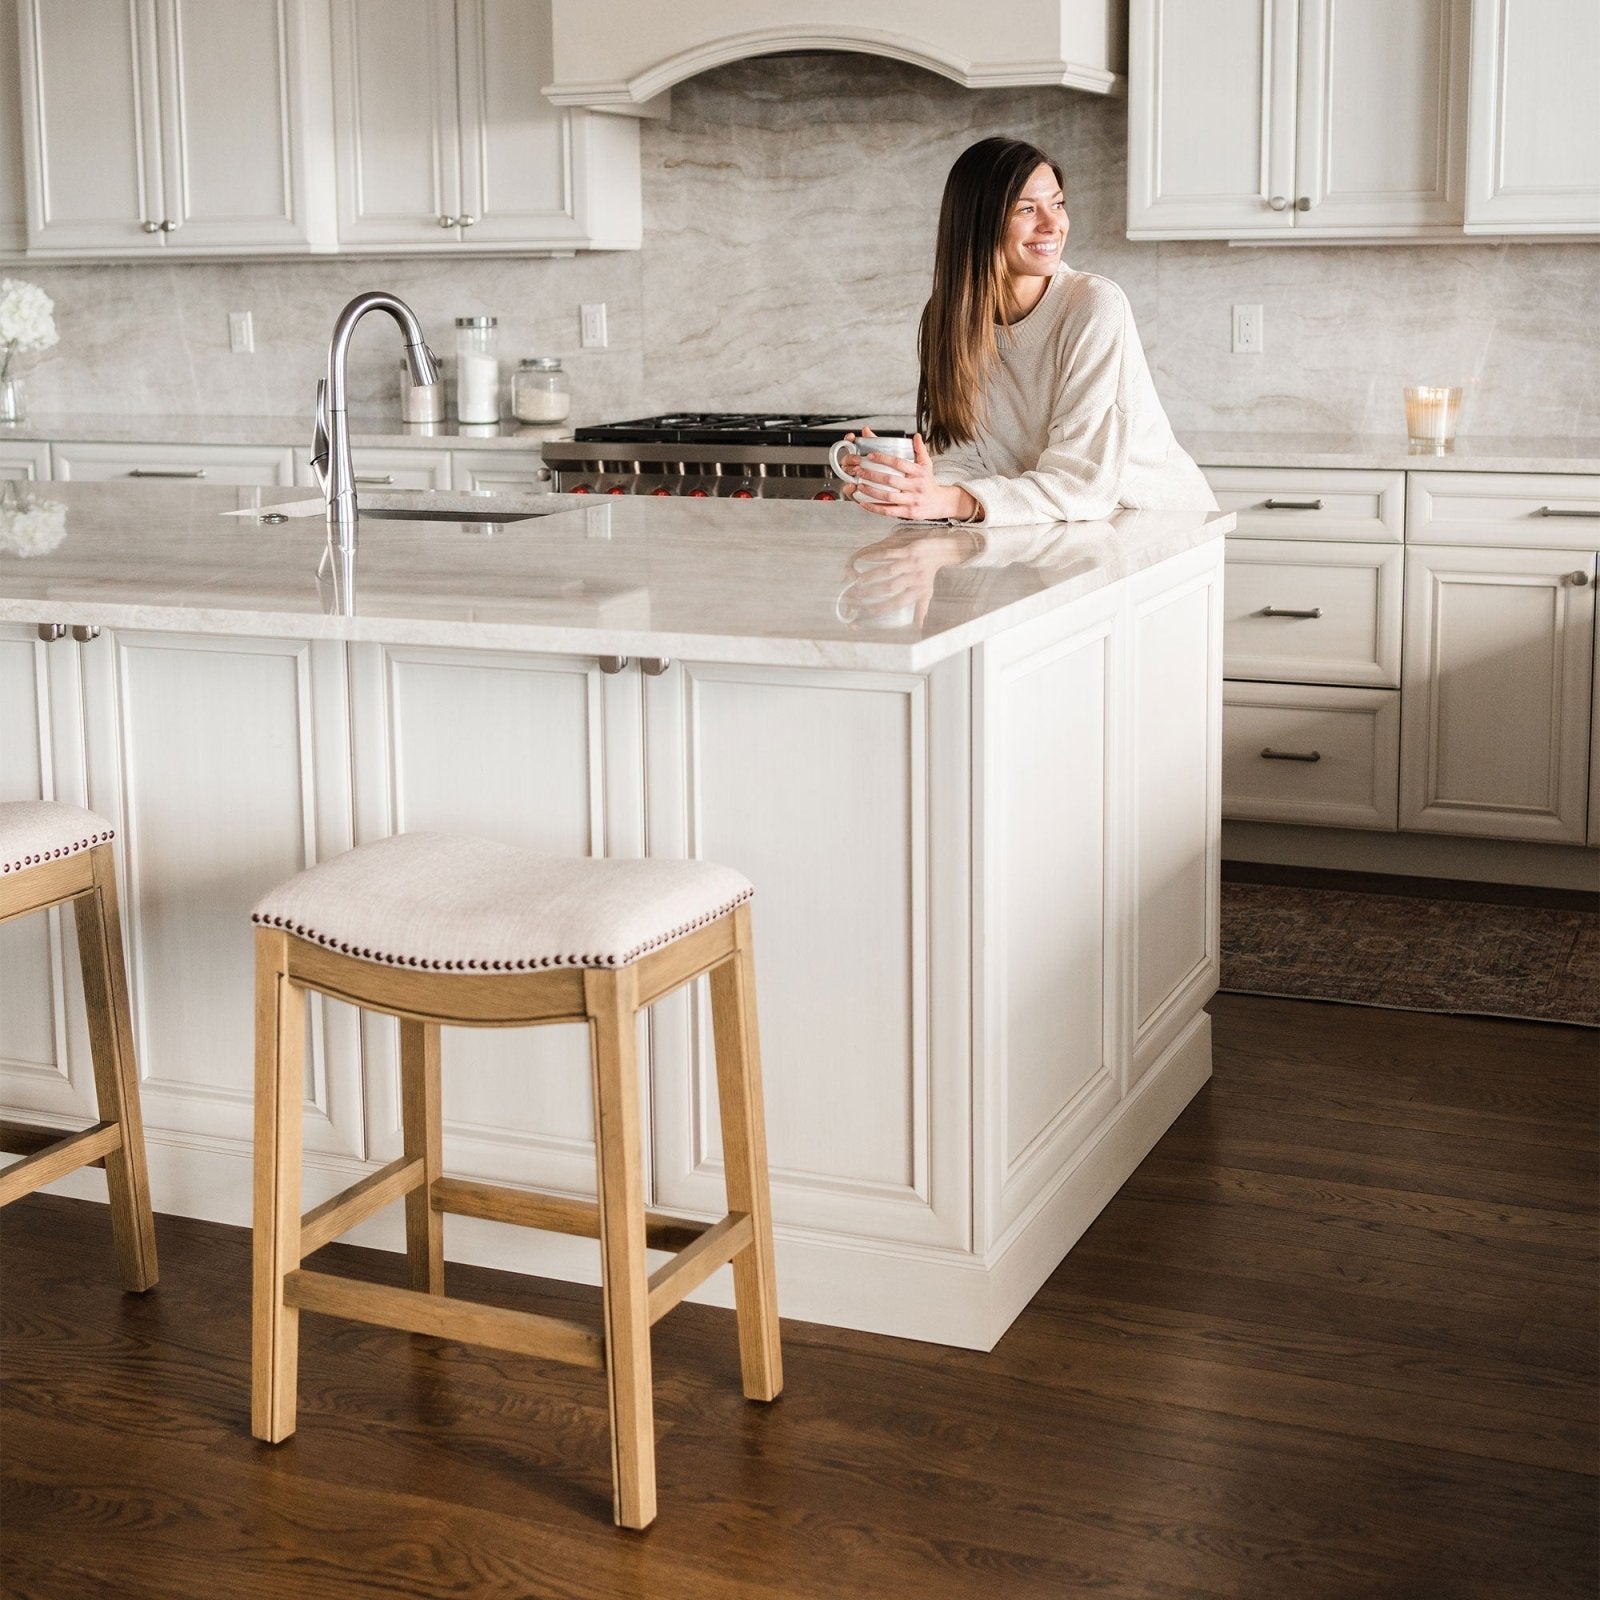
436,929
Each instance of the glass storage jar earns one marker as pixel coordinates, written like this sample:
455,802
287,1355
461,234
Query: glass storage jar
477,369
539,391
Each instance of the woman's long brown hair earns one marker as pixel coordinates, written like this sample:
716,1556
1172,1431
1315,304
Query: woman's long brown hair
956,341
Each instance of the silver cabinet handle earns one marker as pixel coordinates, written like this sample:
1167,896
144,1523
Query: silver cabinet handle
447,222
169,226
613,663
375,477
1269,754
1303,203
1578,579
1278,203
654,666
166,472
49,632
1292,505
542,474
469,222
1276,611
151,227
1563,511
84,632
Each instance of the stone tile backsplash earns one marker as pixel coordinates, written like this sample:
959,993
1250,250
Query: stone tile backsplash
789,213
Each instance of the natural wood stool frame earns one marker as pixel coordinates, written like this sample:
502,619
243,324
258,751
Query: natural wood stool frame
607,999
88,878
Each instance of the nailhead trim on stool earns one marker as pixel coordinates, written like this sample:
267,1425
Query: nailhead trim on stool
36,831
445,903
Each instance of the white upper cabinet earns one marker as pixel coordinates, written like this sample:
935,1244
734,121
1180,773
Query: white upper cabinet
445,141
13,192
173,125
1533,158
1296,118
621,55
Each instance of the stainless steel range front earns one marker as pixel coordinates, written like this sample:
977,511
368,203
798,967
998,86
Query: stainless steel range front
710,454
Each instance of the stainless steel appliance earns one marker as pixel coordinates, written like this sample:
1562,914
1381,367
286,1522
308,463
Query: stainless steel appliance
749,455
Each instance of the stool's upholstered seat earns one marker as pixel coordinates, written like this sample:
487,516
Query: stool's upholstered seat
453,904
34,831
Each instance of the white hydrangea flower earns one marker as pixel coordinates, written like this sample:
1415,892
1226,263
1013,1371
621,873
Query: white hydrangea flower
32,527
27,316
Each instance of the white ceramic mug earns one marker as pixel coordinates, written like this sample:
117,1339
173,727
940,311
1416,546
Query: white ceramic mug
891,445
866,586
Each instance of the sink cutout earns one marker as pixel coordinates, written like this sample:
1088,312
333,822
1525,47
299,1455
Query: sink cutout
409,514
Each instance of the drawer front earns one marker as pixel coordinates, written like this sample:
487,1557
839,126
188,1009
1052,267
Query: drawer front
1353,734
1313,613
260,464
378,468
512,471
1542,511
1312,503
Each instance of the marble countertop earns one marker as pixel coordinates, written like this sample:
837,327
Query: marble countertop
753,581
1372,451
1381,452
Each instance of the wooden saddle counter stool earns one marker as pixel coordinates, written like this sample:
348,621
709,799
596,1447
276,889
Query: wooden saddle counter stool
438,929
52,854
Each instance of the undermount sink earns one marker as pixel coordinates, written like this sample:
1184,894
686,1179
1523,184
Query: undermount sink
410,514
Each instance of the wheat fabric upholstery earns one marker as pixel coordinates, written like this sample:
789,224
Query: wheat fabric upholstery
35,831
447,903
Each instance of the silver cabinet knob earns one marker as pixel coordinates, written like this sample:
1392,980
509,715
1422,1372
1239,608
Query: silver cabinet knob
654,666
169,226
1578,579
1303,203
151,227
49,632
611,664
1278,203
447,222
469,222
84,632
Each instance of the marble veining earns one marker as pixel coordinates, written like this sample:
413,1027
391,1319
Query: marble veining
789,213
755,582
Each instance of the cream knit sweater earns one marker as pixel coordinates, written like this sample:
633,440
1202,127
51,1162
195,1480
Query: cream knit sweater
1074,430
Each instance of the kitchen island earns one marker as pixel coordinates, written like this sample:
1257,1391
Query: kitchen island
984,845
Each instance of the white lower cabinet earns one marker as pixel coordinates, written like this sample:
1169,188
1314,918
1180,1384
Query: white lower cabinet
23,459
266,465
1498,681
517,471
221,763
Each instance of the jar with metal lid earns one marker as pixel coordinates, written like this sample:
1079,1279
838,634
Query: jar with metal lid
477,369
539,391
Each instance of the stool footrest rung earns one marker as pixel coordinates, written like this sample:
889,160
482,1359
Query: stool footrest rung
552,1213
527,1332
339,1215
60,1154
716,1247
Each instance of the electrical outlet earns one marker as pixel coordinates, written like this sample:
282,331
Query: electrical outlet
1248,330
592,326
241,335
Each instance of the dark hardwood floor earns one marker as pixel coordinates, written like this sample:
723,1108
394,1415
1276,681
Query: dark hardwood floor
1336,1339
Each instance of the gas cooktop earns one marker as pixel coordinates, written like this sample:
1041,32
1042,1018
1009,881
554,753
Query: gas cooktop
740,427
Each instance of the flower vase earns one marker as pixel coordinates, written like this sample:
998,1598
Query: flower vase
12,408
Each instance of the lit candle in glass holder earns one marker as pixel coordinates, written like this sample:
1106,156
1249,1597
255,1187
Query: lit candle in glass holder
1431,416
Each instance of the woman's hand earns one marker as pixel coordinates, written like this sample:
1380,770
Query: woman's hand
894,487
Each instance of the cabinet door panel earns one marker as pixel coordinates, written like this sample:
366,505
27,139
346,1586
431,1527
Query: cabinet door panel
1495,734
1381,113
397,121
13,189
1211,117
516,748
246,464
91,125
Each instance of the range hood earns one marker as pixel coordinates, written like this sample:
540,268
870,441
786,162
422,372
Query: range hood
621,55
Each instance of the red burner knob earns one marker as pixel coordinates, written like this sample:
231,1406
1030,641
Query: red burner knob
825,494
616,489
699,494
660,491
742,494
581,488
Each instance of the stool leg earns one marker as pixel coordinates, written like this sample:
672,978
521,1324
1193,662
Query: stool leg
744,1152
280,1092
611,999
116,1073
423,1132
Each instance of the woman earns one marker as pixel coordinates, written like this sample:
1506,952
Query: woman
1034,395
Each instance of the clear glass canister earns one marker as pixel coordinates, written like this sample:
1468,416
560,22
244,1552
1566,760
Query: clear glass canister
539,391
477,369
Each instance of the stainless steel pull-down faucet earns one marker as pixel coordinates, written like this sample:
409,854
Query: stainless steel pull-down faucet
330,443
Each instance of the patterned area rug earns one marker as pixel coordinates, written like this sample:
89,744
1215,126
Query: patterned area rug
1410,954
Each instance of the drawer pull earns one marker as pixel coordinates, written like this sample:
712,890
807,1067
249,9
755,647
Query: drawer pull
1277,611
375,477
1293,505
1563,511
1269,754
166,472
